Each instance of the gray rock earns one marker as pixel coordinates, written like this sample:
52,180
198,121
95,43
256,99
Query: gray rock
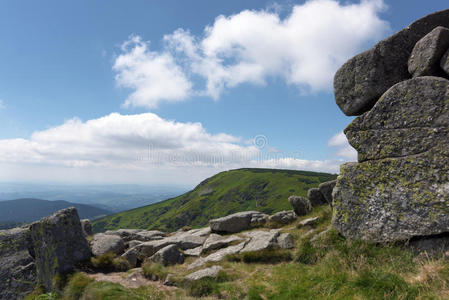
410,118
260,240
193,252
258,220
147,249
444,63
308,222
131,257
315,197
236,222
217,256
360,82
427,53
283,217
216,241
17,269
211,272
134,243
185,240
137,234
168,255
433,246
87,227
326,189
104,243
285,241
59,244
301,205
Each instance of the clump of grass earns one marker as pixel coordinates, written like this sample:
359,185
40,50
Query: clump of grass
108,262
39,290
154,271
203,287
263,256
76,285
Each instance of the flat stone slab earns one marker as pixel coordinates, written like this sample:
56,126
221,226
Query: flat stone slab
217,256
211,272
260,240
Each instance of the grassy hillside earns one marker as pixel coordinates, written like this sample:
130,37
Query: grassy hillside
29,210
265,190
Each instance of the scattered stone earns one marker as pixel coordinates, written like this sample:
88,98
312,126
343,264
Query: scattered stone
147,249
87,227
104,243
185,240
360,82
444,63
134,243
137,234
260,240
17,269
427,53
236,222
258,220
285,241
168,255
193,252
326,189
211,272
216,241
283,217
301,205
131,257
316,198
200,232
308,222
59,244
217,256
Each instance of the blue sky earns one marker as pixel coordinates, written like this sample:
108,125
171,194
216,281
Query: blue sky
202,79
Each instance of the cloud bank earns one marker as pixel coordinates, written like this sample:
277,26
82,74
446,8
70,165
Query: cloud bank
304,49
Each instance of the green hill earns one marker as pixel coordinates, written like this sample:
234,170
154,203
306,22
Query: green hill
265,190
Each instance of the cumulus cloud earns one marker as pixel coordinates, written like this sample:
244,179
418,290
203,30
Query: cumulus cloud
304,48
344,149
138,148
2,104
154,76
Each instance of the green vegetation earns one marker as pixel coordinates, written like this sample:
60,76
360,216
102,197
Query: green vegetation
154,271
264,256
265,190
108,262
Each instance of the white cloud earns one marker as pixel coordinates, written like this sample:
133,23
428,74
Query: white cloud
2,104
344,148
305,48
142,148
154,76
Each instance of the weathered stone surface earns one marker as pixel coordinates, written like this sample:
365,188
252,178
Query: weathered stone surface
216,241
427,53
308,222
168,255
394,198
258,220
410,118
134,243
301,205
217,256
200,232
315,197
185,240
131,257
235,223
444,63
285,241
194,252
17,269
360,82
432,246
211,272
137,234
260,240
283,217
147,249
104,243
59,244
86,226
326,189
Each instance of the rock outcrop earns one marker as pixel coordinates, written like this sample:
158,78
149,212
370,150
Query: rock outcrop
315,196
17,269
211,272
238,222
399,189
59,244
301,205
104,243
283,217
168,255
326,189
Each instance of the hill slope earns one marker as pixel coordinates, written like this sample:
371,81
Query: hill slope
29,210
265,190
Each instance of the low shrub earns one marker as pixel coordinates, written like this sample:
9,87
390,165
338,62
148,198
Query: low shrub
263,256
202,287
108,262
154,271
76,286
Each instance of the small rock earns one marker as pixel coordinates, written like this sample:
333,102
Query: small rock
103,243
194,252
137,234
168,255
326,189
216,241
283,217
444,63
200,232
211,272
217,256
260,240
87,227
236,222
308,222
301,205
427,53
316,198
285,241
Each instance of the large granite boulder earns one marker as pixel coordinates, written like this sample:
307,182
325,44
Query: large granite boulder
283,217
59,244
137,234
104,243
301,205
237,222
87,227
216,241
427,53
315,196
326,189
360,82
17,269
260,240
211,272
168,255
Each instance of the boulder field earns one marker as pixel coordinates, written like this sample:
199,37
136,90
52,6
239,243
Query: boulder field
399,188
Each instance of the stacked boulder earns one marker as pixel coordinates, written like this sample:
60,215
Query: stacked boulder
399,189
